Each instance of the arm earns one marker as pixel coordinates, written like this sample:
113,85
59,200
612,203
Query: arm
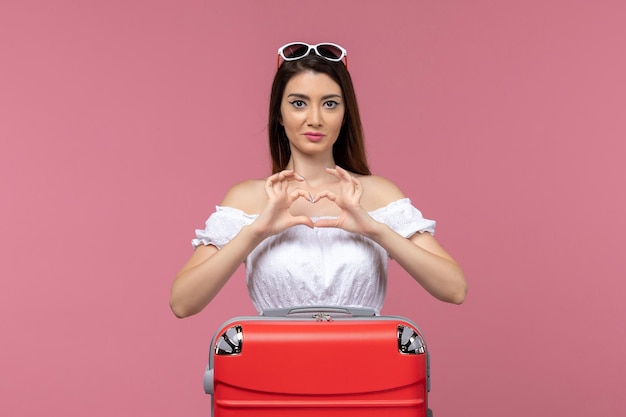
425,260
421,256
208,269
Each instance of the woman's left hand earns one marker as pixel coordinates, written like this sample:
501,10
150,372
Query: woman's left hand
353,217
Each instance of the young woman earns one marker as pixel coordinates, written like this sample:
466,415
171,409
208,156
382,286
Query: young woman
320,229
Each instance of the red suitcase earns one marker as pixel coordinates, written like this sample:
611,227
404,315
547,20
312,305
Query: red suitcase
302,362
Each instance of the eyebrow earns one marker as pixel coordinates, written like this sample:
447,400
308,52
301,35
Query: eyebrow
305,97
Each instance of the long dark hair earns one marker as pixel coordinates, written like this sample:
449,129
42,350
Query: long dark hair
349,149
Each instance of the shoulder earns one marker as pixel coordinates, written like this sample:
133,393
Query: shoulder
378,192
248,196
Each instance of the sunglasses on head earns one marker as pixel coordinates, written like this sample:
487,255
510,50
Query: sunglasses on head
297,50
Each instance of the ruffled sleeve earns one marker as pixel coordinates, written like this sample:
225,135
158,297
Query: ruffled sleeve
223,225
404,218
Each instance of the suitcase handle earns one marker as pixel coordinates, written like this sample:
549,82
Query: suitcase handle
316,311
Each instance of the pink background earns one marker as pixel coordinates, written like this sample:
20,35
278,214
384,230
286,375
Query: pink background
122,124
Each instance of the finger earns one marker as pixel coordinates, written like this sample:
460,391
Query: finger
279,180
325,223
298,193
304,220
290,174
325,194
272,179
357,186
333,172
285,174
340,170
340,174
298,177
351,184
346,175
274,185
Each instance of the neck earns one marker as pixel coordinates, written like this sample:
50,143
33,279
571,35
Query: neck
312,170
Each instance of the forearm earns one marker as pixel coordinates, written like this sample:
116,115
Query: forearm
438,273
195,286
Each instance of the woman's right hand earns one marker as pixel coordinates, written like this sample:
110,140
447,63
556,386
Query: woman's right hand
275,217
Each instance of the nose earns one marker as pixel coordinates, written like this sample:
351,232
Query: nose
314,116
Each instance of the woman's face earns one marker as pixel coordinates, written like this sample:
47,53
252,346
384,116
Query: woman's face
312,112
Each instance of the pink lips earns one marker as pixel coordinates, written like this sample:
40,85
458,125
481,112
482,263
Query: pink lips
313,136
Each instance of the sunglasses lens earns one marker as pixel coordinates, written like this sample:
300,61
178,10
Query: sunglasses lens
330,51
295,51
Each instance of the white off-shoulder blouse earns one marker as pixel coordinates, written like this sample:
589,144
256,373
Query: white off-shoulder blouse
320,266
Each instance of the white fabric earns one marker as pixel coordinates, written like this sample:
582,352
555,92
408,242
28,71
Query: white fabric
320,266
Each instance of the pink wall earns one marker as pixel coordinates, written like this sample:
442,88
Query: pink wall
122,123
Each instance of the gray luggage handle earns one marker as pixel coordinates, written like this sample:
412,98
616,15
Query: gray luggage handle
318,311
